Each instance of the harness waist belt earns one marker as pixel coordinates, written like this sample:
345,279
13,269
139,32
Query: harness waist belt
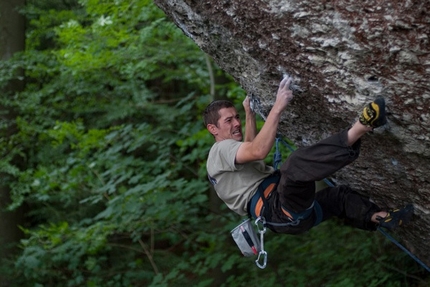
256,204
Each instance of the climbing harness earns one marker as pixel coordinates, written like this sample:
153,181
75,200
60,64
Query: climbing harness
257,203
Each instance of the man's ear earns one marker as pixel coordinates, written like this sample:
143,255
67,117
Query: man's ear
212,129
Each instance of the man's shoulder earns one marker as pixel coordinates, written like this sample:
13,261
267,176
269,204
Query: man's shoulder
226,142
225,145
221,162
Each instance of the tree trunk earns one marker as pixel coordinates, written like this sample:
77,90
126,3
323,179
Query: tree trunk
341,54
12,39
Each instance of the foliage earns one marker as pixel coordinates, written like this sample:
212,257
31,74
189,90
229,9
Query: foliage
106,149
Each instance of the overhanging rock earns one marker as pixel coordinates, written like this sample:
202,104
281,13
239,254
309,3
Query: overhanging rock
342,54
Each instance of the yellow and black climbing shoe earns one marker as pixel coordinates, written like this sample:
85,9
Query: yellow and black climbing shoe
373,114
397,217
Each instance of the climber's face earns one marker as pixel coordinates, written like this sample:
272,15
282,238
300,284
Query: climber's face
228,126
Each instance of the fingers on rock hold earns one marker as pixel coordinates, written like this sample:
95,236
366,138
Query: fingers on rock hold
286,81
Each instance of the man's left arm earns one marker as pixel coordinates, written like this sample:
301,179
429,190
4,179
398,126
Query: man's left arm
250,123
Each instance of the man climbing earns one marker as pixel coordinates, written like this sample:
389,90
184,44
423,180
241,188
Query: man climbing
287,198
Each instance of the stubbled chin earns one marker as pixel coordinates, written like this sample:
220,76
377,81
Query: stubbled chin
237,137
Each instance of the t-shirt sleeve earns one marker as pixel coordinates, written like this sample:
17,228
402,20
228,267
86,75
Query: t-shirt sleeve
226,151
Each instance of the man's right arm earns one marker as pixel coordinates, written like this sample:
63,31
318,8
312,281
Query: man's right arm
260,147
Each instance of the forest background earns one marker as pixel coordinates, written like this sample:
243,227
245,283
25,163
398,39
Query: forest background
102,170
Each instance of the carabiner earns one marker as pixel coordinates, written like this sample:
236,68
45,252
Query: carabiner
261,228
264,257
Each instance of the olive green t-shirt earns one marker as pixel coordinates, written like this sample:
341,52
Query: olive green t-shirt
234,183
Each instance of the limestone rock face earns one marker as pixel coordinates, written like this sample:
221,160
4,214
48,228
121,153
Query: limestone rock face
342,54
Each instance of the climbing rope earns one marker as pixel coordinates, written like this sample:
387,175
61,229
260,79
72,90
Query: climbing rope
277,159
404,249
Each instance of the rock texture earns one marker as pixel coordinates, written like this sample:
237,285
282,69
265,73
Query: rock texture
342,54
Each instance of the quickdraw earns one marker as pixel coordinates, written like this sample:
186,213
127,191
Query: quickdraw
261,261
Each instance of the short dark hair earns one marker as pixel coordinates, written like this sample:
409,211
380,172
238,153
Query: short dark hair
211,113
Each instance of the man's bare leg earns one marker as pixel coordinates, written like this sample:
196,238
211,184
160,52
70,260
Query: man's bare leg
356,132
376,216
